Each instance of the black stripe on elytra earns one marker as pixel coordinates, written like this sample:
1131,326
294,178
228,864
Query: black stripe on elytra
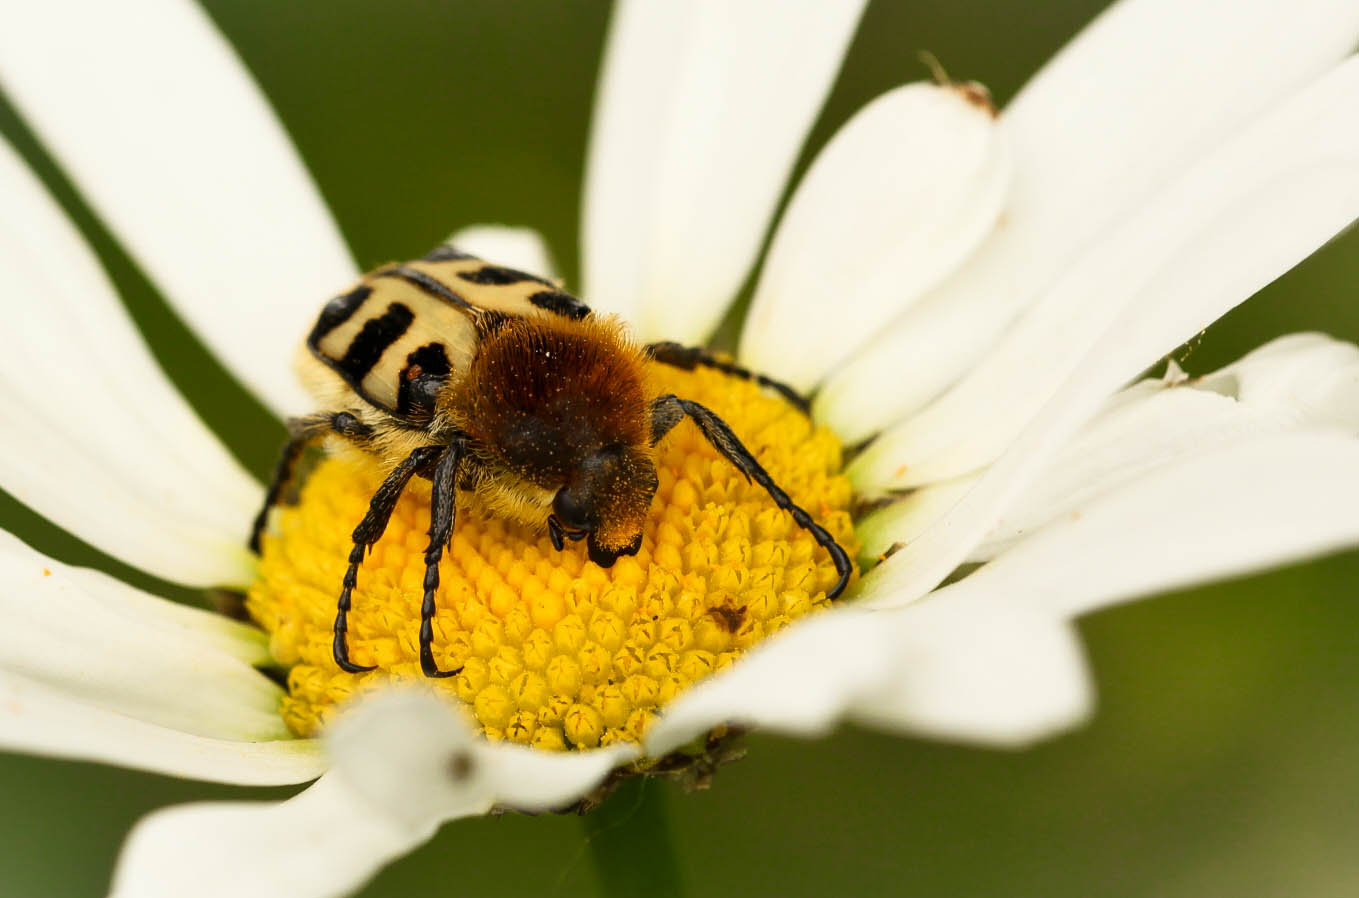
495,276
446,253
560,303
433,286
375,338
421,379
337,312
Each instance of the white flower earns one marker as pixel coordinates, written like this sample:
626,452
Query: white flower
1014,274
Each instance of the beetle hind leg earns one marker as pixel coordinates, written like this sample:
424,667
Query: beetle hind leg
302,432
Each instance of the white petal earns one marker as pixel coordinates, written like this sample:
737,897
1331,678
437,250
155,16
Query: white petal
894,202
1148,87
1222,513
214,632
888,529
521,248
1305,383
38,719
107,645
405,762
107,449
1236,221
1298,383
912,359
400,747
979,668
702,109
325,842
531,780
802,682
1228,256
974,669
165,133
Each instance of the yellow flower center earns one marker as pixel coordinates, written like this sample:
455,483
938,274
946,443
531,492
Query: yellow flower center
555,651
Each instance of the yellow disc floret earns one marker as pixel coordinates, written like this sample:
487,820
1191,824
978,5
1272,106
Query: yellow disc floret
557,652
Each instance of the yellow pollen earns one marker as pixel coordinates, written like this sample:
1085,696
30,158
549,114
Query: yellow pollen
555,651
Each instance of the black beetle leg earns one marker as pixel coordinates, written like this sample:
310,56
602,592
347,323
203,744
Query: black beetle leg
365,535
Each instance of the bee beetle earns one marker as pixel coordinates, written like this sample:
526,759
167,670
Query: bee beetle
493,381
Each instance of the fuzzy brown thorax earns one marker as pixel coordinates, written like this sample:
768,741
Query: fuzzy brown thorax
559,410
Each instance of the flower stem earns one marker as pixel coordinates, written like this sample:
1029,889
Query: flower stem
629,837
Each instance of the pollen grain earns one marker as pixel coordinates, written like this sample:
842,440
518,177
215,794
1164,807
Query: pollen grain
555,651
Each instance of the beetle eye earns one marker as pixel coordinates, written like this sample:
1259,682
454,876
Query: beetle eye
575,510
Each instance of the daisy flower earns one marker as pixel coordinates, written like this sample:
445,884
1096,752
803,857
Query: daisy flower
969,295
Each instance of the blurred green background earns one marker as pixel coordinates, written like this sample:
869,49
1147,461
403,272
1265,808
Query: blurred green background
1223,757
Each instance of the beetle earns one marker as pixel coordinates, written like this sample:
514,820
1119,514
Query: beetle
490,380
